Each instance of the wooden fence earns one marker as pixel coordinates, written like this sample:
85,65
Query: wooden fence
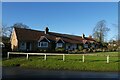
45,55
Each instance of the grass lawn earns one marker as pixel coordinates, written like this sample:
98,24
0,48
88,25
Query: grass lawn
95,62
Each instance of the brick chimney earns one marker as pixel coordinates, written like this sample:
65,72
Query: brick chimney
46,30
83,36
90,36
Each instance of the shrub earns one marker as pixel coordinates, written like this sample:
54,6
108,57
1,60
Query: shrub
59,49
112,48
104,49
80,47
99,50
94,50
84,50
44,50
76,50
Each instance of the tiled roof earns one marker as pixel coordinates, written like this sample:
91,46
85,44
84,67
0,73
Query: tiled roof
35,35
28,34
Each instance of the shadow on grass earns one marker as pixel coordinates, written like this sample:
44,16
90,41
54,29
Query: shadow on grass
72,60
116,61
95,60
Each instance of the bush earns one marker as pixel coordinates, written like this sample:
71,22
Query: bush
112,48
80,47
99,50
104,49
59,49
6,49
84,50
94,50
90,50
44,50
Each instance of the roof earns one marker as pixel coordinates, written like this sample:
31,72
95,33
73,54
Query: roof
34,35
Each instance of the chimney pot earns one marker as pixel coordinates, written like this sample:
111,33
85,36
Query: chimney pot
83,36
46,30
90,36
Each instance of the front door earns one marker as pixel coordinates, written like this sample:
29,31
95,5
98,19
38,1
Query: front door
28,46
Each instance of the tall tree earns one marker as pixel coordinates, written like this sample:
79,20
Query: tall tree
6,31
20,25
100,31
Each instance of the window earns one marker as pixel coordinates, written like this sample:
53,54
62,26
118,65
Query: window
22,44
93,45
85,45
42,44
59,45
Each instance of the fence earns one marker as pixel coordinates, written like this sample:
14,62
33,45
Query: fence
45,55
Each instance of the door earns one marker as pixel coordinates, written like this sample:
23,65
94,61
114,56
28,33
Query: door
28,46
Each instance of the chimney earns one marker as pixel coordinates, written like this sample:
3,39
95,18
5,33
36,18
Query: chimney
46,30
83,36
90,36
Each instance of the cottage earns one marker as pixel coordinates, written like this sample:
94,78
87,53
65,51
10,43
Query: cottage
33,40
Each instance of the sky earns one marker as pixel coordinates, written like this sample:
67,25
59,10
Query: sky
73,18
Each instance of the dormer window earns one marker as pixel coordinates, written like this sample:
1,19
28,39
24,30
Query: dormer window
42,44
59,45
85,45
59,42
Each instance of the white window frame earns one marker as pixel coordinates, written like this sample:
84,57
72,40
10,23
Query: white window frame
59,45
40,44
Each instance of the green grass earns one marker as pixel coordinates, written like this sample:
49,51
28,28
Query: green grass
108,53
72,62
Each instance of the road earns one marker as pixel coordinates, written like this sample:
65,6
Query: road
18,73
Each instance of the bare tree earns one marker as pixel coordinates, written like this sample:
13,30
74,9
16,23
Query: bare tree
100,31
6,30
20,25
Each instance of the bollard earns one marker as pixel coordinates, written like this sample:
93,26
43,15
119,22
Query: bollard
8,55
45,57
83,58
27,56
108,59
63,57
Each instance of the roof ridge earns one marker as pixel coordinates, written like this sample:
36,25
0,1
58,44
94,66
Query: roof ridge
29,29
66,34
49,32
54,34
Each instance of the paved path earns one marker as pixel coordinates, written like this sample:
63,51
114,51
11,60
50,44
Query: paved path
18,73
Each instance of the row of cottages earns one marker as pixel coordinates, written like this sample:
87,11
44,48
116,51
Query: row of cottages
32,40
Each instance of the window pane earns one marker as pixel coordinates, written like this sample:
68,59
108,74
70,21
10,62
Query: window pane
59,44
86,45
43,44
